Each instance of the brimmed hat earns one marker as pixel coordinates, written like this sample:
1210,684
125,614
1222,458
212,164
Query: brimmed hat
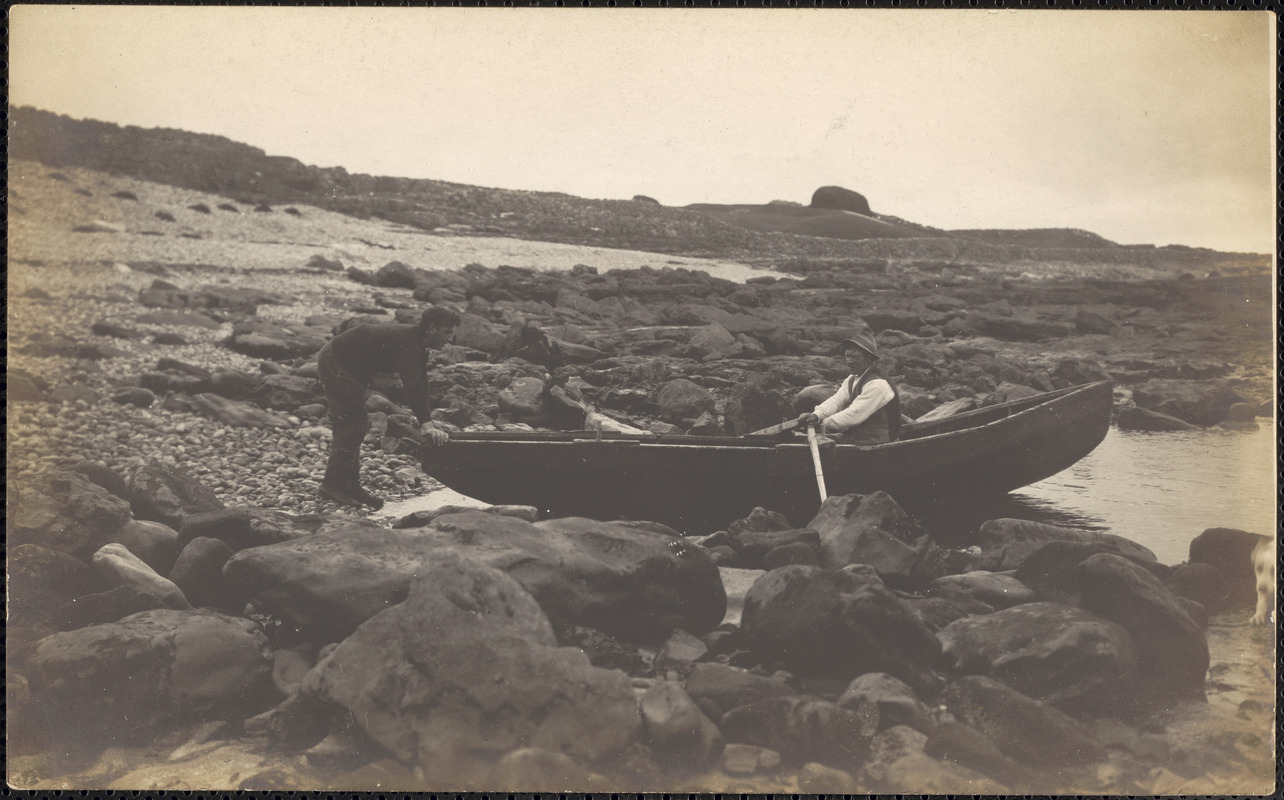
863,339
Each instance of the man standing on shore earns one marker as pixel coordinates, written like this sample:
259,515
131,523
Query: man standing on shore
348,363
866,409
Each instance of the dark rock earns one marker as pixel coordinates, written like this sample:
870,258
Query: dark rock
728,687
1052,570
675,728
803,728
143,398
234,385
1062,655
1202,583
286,392
115,330
531,344
621,578
41,580
681,400
146,667
837,624
523,399
896,702
1133,418
938,612
890,319
66,512
1007,393
1172,650
711,342
1230,551
241,528
111,605
705,425
604,651
169,383
235,413
754,545
104,476
319,261
872,529
753,405
1197,402
1075,371
426,678
760,520
792,553
198,571
261,338
957,743
839,198
167,495
1007,543
1030,732
1021,328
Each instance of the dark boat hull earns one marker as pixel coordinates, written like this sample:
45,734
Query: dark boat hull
699,484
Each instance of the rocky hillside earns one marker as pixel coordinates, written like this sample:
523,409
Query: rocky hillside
247,174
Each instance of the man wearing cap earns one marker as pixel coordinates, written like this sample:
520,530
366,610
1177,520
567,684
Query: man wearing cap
866,409
348,363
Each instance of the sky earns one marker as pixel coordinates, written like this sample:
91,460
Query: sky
1144,127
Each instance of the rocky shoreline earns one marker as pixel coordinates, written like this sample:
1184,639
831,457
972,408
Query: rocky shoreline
185,613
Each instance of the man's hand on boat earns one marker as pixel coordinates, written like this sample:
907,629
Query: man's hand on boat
433,435
808,419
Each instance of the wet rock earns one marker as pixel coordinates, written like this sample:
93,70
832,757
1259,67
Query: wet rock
872,529
680,400
535,769
1062,655
677,731
262,338
896,702
1230,552
1052,570
66,512
995,589
167,495
621,578
803,728
1007,543
1198,402
466,668
838,624
968,747
1172,651
111,605
728,687
235,413
241,528
41,580
1027,730
198,572
119,567
152,542
1202,583
146,667
1140,419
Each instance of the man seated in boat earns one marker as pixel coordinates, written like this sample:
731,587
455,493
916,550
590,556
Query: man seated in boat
348,363
866,409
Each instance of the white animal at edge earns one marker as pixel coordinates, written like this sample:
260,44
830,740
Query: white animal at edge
1264,567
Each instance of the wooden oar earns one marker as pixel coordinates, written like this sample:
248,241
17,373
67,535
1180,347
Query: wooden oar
781,428
815,459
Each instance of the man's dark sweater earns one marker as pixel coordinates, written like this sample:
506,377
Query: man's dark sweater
362,352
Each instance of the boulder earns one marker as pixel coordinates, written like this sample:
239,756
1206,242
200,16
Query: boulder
198,572
625,579
475,333
711,342
1133,418
753,405
240,528
1059,654
94,682
1230,551
968,747
119,567
66,512
754,546
236,413
807,399
261,338
234,385
137,396
523,399
837,624
527,342
995,589
111,605
681,400
1198,402
395,275
727,687
1052,573
40,581
155,544
1030,732
1172,651
1006,543
872,529
802,728
677,731
467,669
167,495
1076,371
837,197
287,392
1202,583
896,702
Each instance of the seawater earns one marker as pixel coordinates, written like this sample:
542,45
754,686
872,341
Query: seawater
1158,489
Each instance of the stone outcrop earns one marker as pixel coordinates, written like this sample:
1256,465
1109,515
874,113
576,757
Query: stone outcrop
1007,543
873,529
66,512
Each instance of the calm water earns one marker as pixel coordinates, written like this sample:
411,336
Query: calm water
1158,489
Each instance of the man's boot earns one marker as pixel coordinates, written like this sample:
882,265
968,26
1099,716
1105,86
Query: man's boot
353,473
341,478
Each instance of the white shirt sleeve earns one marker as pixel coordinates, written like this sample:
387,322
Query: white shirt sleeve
842,411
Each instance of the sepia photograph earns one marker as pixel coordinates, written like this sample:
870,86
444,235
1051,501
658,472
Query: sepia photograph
789,401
